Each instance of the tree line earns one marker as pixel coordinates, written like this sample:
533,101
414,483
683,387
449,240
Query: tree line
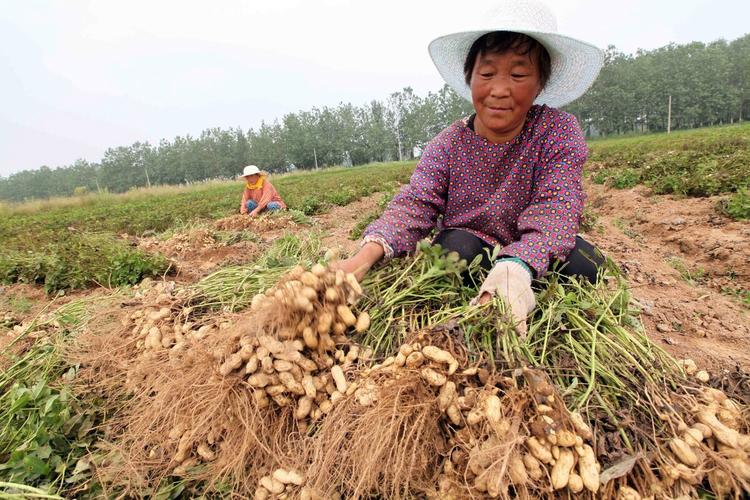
342,135
708,83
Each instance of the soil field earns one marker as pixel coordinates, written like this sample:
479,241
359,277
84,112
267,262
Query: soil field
685,263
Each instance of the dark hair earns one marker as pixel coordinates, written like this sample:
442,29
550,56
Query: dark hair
500,42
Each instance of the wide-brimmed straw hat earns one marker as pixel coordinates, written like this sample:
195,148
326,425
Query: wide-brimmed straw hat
574,64
249,170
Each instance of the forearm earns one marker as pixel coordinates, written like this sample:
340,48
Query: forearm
369,255
243,203
413,212
409,217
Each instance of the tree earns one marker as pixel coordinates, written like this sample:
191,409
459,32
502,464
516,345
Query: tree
739,56
708,83
125,167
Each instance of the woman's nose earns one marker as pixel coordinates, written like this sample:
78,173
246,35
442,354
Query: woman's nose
500,87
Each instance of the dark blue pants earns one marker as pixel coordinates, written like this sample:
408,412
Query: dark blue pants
584,260
271,207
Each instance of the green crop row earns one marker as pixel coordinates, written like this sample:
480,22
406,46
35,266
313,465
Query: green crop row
68,244
80,260
701,162
45,432
310,192
737,206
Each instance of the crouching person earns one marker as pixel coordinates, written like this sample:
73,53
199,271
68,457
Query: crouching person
259,193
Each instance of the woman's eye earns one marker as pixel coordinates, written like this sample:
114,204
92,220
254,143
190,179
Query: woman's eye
518,75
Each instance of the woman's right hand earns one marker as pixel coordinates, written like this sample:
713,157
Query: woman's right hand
362,261
510,281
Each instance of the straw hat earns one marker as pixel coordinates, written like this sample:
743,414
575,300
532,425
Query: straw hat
249,170
574,64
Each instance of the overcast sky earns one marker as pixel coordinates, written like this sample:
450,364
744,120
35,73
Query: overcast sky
78,77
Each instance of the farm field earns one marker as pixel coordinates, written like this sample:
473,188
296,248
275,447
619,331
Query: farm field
139,382
50,243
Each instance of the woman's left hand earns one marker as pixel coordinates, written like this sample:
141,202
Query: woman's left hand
510,281
254,213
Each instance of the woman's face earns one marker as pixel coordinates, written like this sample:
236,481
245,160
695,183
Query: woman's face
503,89
252,179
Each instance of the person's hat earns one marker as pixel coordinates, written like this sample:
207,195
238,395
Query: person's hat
249,170
574,64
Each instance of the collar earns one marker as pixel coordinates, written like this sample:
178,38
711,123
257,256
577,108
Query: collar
258,184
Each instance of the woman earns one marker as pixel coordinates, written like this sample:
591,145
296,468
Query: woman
259,193
510,174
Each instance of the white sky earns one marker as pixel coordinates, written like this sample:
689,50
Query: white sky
77,77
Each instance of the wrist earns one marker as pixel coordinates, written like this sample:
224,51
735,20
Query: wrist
519,262
380,240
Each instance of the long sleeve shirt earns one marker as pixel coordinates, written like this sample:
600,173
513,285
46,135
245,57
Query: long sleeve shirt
262,195
525,195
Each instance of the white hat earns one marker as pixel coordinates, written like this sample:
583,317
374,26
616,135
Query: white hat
249,170
574,64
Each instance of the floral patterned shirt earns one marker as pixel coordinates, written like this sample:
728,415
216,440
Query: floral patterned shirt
525,195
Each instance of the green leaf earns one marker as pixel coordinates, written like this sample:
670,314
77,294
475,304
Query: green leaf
82,465
44,451
26,445
86,426
38,389
69,375
71,422
35,465
22,398
58,463
77,478
50,404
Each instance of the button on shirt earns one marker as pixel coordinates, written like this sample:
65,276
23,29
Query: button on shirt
525,195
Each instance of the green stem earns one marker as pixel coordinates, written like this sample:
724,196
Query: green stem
30,491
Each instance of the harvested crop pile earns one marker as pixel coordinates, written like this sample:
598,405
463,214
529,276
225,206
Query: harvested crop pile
260,224
220,401
504,435
204,247
181,244
232,288
398,388
422,421
201,249
8,321
382,438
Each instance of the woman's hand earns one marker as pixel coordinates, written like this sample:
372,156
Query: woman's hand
362,261
511,282
254,213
